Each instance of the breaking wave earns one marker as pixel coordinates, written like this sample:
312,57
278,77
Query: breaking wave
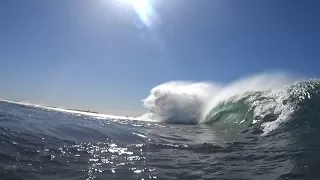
264,101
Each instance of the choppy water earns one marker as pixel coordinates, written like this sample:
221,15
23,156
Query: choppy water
260,135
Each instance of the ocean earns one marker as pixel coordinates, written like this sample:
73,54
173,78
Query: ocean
244,134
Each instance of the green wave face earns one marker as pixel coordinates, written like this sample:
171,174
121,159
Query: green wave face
232,113
264,110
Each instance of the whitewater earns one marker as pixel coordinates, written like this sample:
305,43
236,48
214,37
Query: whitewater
263,126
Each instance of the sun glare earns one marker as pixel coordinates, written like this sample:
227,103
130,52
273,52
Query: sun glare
130,2
143,8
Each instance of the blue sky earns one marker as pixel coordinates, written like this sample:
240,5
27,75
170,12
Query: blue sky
101,55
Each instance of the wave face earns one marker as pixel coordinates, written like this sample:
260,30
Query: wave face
253,104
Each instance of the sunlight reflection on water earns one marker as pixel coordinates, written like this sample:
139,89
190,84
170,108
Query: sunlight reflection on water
109,158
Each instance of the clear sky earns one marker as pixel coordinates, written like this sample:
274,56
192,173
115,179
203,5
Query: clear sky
106,55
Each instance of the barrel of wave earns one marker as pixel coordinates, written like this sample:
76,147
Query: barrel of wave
234,112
